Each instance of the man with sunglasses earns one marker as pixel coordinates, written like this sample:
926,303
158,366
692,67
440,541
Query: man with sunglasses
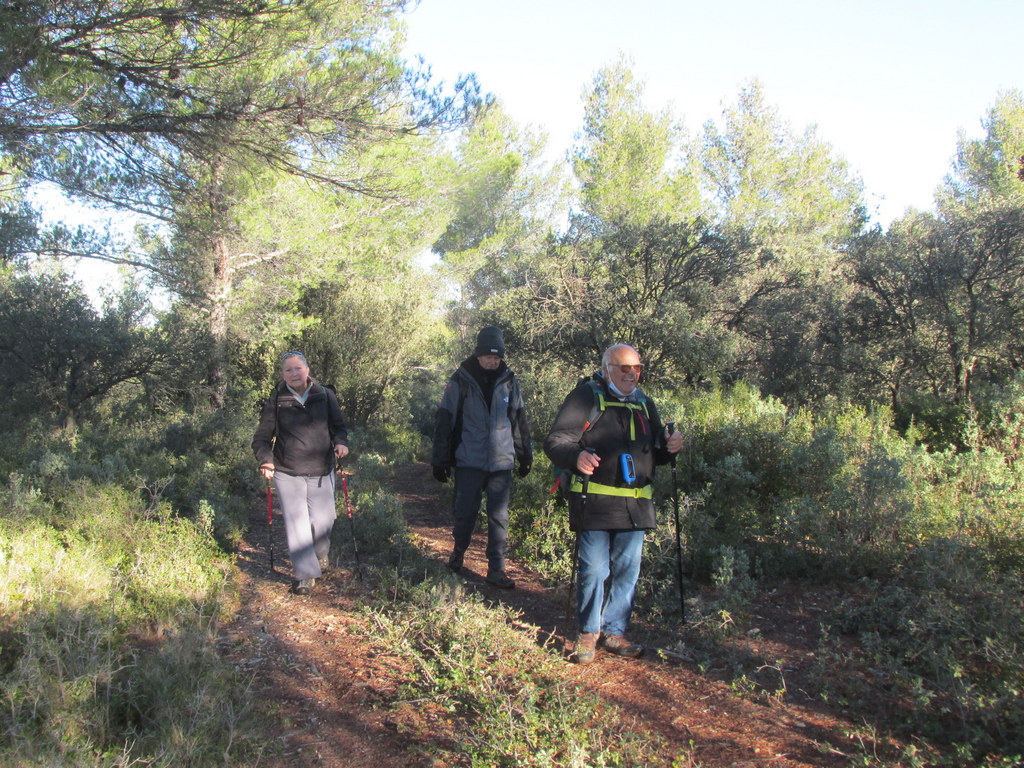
609,435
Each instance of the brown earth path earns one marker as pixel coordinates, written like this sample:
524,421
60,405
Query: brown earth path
329,696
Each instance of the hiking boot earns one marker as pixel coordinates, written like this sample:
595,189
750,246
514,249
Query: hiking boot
325,563
303,587
620,646
500,580
456,560
586,648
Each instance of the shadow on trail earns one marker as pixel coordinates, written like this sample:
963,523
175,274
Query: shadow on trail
324,694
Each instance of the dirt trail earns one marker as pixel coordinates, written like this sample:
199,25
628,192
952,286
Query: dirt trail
332,694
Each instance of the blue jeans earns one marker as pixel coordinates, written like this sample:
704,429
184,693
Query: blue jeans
496,487
602,554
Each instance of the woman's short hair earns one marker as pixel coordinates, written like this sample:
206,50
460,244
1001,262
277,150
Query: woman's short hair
293,353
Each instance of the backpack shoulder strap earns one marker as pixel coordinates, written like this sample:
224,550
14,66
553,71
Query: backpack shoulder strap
642,401
277,405
598,408
457,421
563,477
601,405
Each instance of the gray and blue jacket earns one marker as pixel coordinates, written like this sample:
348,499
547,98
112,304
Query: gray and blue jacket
481,429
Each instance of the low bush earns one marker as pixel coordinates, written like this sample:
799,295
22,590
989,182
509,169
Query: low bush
493,692
939,651
106,654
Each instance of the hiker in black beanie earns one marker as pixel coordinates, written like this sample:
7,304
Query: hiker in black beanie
480,433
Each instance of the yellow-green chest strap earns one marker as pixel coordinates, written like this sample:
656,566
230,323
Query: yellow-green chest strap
636,408
645,492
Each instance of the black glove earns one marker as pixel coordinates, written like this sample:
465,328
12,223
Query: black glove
442,472
525,465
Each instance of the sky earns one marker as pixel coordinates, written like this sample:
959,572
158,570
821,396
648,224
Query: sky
887,83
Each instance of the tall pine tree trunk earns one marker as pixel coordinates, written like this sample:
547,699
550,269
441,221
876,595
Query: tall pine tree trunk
220,290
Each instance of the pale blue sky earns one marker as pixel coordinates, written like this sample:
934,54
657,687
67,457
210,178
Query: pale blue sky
888,84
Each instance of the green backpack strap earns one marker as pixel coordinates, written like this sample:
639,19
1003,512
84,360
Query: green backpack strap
601,404
563,477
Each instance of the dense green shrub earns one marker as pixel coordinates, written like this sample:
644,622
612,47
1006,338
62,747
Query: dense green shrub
944,641
539,532
106,650
998,416
837,491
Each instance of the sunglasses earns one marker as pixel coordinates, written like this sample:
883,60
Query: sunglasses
638,368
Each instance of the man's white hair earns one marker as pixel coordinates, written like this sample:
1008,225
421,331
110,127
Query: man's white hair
607,356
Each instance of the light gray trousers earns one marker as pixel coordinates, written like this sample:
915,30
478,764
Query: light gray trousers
307,504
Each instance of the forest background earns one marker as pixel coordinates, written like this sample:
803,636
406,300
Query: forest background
851,395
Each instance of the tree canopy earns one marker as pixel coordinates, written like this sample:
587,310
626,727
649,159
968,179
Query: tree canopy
993,166
297,176
129,101
182,111
57,349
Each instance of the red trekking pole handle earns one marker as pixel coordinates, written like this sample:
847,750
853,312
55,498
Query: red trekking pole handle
344,487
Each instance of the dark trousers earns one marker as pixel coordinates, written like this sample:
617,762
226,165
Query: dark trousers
470,485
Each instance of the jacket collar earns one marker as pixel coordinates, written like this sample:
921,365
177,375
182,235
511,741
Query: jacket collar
635,396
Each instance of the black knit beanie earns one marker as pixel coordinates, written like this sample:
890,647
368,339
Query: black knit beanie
489,342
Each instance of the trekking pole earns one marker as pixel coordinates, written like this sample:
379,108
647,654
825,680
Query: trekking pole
351,523
671,427
572,568
270,523
585,482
